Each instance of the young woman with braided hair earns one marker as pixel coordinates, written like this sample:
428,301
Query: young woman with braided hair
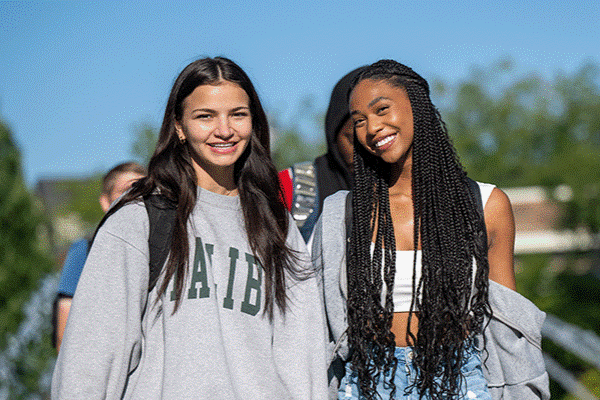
410,318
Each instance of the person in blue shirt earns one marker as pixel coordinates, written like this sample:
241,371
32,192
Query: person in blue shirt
114,184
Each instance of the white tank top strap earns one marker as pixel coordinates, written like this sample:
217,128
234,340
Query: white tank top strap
486,191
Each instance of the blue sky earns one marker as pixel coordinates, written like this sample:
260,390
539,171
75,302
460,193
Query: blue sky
76,77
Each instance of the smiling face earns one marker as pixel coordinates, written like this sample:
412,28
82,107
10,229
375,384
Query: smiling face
383,120
217,125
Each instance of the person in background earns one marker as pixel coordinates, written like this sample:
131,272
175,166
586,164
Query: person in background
305,185
114,184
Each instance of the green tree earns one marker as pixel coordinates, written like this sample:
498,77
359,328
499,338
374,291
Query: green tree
23,262
82,197
23,259
577,163
82,194
530,131
289,144
291,148
145,137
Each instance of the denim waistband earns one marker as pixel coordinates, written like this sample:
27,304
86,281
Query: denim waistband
406,354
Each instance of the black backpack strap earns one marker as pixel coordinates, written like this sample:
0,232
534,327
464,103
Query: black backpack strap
476,194
161,214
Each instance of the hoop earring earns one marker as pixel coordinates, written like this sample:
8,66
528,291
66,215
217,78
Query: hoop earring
182,140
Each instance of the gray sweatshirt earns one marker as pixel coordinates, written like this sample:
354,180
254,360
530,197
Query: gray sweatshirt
513,363
119,343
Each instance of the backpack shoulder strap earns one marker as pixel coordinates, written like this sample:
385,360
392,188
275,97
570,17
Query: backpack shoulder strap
161,214
304,196
481,239
474,186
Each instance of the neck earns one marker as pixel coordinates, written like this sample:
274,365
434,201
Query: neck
219,181
401,178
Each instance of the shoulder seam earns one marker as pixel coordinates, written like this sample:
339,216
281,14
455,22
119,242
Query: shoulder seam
128,243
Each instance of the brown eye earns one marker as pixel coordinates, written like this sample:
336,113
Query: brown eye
359,122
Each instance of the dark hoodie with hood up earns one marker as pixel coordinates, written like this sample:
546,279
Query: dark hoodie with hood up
331,170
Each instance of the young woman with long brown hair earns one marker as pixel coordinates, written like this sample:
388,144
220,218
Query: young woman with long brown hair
236,312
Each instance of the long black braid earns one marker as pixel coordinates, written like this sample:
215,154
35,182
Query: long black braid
447,222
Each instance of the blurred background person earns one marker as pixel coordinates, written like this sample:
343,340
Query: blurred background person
305,185
114,184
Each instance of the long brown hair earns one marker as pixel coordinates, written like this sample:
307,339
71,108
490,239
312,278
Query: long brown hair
171,173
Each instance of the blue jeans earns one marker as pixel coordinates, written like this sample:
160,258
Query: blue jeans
474,385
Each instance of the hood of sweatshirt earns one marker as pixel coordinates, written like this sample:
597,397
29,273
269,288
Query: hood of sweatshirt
332,173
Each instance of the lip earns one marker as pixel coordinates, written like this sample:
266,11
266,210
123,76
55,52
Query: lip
223,147
387,141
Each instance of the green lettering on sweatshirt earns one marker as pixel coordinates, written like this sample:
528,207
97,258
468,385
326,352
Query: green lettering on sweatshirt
199,274
234,254
209,250
252,285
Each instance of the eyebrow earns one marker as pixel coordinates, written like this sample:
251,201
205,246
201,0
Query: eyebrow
210,110
371,103
375,100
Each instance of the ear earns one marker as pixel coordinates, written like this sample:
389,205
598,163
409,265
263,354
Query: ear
104,202
179,131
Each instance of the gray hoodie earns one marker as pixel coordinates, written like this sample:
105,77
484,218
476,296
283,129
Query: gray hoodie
123,342
513,363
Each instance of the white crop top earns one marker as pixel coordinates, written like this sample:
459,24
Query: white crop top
402,295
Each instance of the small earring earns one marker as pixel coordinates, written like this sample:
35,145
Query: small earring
182,140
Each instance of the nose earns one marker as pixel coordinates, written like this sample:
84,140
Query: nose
374,125
223,129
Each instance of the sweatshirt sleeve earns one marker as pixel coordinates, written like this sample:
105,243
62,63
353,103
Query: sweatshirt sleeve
299,339
102,340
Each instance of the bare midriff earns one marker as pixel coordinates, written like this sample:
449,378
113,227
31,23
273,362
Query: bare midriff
399,324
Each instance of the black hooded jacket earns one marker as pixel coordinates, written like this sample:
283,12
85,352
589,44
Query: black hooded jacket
331,171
